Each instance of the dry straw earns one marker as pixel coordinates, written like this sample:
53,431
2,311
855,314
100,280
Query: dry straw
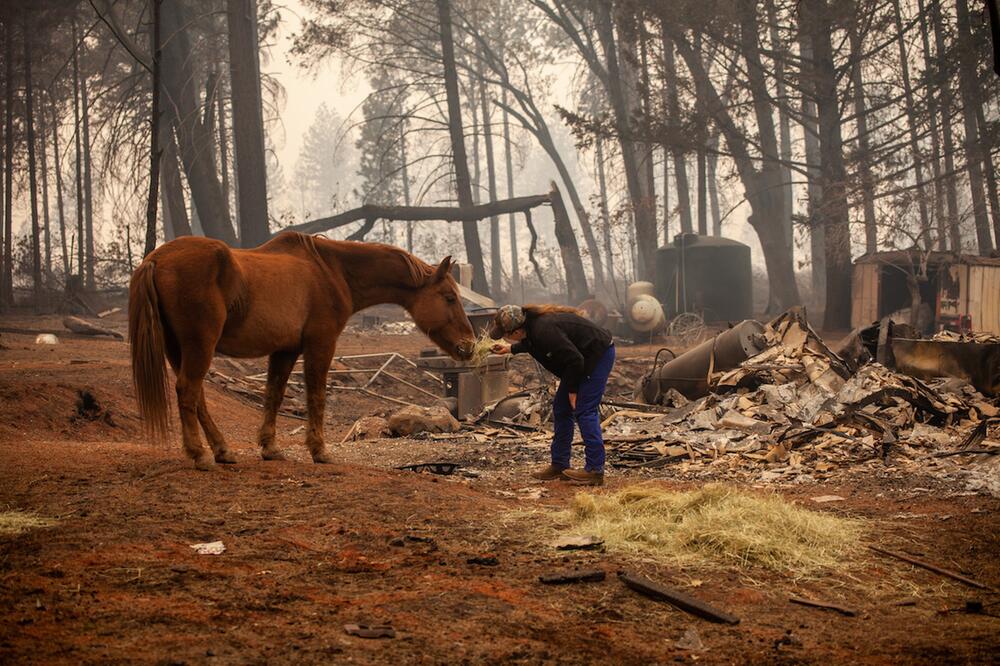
16,522
482,349
717,525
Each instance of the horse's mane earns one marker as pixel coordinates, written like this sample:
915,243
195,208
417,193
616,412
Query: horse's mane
417,269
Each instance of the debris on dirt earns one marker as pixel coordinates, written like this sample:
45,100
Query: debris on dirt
484,561
566,577
439,468
681,600
412,420
13,523
574,542
932,567
717,524
88,408
46,339
824,605
370,631
209,548
690,641
84,327
823,499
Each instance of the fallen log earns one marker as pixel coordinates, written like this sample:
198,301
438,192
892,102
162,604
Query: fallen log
83,327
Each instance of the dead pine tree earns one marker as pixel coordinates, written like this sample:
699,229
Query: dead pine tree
29,121
463,181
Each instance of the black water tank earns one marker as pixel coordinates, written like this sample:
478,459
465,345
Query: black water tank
718,278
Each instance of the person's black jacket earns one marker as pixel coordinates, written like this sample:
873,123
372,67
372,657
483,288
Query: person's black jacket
566,344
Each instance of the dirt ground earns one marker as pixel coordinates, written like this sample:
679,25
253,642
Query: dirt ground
311,548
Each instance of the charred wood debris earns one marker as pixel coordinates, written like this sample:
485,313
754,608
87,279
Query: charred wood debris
790,409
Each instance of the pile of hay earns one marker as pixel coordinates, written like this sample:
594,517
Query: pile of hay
16,522
717,524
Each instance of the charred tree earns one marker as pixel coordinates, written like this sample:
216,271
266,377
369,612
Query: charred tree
154,135
193,135
932,117
46,229
77,134
463,183
834,209
88,185
60,206
864,149
943,80
7,281
29,121
973,143
248,121
515,271
676,151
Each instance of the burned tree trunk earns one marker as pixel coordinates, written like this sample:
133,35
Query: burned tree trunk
174,209
79,154
864,151
944,85
515,271
192,134
473,249
634,155
932,114
60,207
576,279
7,278
491,180
973,143
88,186
46,229
154,136
911,119
673,113
248,121
834,209
29,121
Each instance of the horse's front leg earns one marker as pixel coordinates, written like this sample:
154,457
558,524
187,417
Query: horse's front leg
279,367
316,365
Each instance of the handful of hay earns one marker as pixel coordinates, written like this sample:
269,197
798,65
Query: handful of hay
718,524
482,349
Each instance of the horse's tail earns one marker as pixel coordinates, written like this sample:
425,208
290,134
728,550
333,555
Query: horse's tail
145,334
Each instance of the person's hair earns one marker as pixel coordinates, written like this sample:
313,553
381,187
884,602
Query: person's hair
550,308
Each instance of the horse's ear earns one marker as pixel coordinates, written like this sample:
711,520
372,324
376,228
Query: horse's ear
442,270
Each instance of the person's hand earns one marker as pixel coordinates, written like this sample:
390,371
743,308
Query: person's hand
500,348
572,400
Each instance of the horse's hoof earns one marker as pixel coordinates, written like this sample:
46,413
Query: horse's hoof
272,454
322,458
225,457
204,464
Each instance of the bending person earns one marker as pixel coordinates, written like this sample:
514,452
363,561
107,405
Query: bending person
581,354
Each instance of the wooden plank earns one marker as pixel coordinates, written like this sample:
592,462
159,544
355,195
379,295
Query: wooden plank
859,296
476,298
932,567
685,602
874,281
991,299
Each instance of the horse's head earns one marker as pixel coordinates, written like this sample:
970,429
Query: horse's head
437,309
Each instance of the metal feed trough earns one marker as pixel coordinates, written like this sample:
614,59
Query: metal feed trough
467,388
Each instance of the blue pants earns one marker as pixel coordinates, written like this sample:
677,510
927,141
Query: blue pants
586,415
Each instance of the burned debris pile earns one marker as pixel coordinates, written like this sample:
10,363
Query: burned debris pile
798,410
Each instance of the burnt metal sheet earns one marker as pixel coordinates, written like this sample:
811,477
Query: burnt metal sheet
975,362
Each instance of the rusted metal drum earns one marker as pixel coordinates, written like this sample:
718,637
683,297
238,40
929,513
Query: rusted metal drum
688,373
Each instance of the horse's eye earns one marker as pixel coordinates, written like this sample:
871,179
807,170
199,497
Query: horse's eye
450,298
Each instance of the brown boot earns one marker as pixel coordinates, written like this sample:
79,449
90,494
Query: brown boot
581,477
550,473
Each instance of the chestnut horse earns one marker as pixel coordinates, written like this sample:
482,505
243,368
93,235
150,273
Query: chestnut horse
293,295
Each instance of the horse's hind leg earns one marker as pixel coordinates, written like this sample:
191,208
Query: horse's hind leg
316,364
215,438
279,366
195,360
212,434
